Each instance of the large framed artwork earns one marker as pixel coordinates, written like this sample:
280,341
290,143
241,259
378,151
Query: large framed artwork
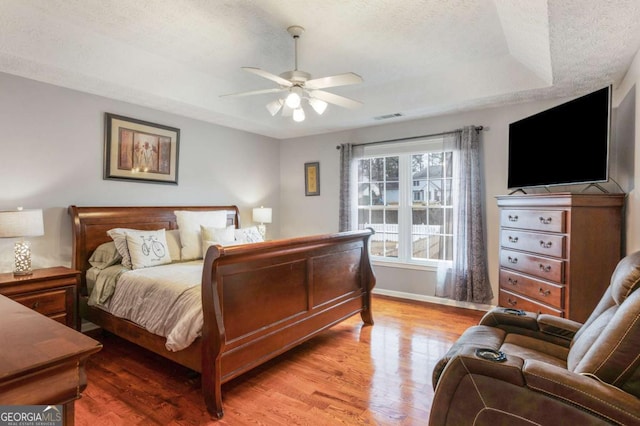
138,150
312,178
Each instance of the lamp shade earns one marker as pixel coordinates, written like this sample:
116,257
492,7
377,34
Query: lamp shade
21,223
262,214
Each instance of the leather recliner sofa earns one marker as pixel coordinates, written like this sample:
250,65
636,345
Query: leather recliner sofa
521,368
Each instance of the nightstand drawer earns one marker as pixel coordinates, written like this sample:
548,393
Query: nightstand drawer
47,303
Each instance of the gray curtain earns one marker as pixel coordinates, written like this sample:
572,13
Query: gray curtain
467,279
345,215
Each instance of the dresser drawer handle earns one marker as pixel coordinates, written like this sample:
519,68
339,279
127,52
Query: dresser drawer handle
513,218
545,268
545,245
513,239
544,292
512,281
513,260
545,221
36,305
512,302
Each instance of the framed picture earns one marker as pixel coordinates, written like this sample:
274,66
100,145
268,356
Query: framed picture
140,151
312,178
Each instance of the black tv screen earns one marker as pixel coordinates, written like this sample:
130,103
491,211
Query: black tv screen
567,144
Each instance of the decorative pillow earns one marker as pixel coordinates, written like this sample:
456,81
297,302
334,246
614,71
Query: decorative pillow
248,235
222,236
119,237
189,225
105,255
173,241
148,248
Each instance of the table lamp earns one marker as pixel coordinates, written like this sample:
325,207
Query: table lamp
21,223
263,215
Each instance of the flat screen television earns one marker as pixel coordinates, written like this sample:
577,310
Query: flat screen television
566,144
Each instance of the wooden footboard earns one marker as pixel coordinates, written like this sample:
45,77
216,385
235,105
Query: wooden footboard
262,299
259,300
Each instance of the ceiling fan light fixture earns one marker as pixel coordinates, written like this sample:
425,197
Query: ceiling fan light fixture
274,106
318,105
298,115
294,98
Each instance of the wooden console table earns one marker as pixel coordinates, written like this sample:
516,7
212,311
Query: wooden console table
41,361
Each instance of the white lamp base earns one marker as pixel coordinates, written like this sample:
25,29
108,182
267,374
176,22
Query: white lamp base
262,229
22,251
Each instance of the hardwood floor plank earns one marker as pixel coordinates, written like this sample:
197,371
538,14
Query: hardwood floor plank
349,375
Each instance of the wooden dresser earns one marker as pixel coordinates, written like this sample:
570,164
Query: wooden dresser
50,291
42,360
558,251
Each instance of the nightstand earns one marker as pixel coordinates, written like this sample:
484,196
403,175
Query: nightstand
52,292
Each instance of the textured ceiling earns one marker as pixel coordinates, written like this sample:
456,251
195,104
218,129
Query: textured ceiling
419,58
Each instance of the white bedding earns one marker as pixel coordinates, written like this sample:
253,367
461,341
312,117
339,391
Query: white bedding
165,300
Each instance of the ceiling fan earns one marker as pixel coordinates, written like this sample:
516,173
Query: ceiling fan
299,86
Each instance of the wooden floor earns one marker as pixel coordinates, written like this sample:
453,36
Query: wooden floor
349,375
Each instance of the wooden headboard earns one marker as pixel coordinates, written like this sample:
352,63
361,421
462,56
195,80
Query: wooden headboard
90,226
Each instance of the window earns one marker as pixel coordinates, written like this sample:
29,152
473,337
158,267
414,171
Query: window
406,198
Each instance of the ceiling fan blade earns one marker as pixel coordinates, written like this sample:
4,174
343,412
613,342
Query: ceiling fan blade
264,74
335,99
333,81
253,92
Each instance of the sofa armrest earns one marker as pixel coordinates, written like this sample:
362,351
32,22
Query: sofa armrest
510,318
560,327
549,328
602,399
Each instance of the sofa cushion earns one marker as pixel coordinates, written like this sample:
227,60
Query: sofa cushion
531,348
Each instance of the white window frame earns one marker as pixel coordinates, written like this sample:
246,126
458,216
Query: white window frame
404,151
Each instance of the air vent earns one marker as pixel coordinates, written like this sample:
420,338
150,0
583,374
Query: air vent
388,116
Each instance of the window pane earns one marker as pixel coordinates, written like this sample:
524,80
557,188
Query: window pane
392,168
436,165
446,198
377,194
419,217
377,216
391,193
363,171
364,194
435,191
377,169
363,218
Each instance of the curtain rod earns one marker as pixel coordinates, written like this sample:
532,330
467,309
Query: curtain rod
478,129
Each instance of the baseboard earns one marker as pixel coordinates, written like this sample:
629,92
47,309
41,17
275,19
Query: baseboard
432,299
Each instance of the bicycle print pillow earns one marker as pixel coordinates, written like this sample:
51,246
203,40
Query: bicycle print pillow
148,248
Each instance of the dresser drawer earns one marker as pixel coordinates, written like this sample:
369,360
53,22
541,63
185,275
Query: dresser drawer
47,303
542,267
536,220
548,293
545,244
512,300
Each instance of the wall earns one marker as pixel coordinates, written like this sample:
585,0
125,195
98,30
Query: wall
51,154
308,215
627,91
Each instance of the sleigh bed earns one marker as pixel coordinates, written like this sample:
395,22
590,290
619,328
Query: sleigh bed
258,300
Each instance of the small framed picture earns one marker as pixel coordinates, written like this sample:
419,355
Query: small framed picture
137,150
312,178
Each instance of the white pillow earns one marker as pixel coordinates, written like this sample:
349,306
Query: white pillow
118,235
173,240
248,235
223,236
148,248
189,225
